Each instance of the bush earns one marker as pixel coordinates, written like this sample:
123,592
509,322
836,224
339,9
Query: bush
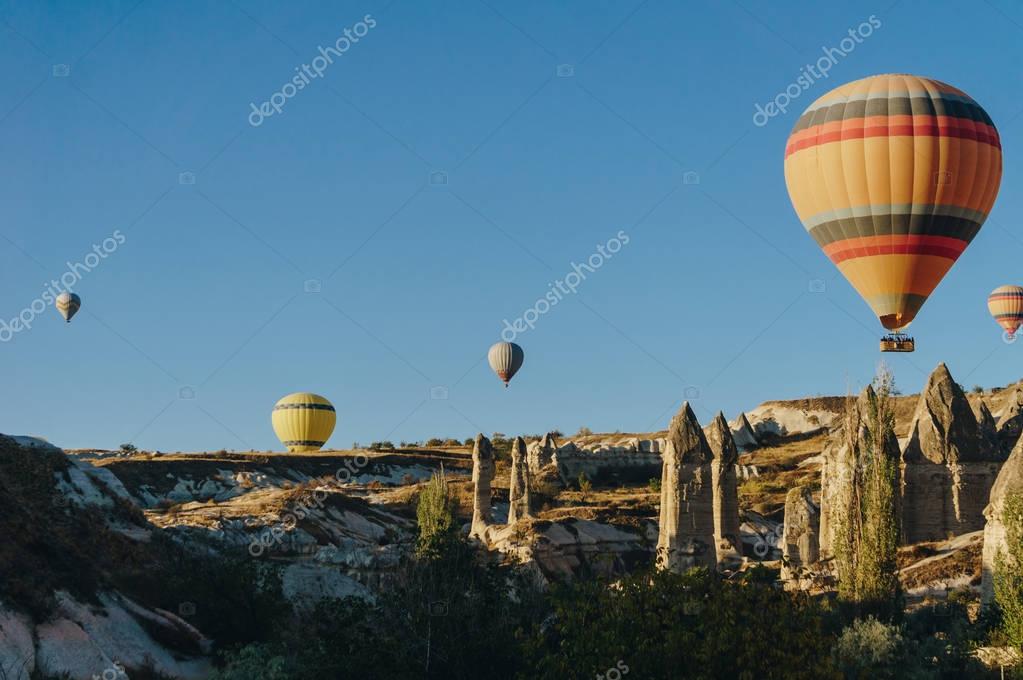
585,485
584,432
129,448
434,442
436,516
868,648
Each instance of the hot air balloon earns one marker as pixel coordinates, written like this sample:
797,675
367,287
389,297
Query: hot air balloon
893,176
1006,304
68,305
506,360
303,421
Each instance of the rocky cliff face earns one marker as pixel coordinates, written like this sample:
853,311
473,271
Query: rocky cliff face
801,535
541,454
686,535
1010,419
68,607
949,464
1008,483
727,540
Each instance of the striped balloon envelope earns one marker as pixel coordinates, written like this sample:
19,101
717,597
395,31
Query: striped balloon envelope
68,305
303,421
505,359
1006,304
893,176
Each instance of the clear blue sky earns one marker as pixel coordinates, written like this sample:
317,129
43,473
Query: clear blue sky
710,298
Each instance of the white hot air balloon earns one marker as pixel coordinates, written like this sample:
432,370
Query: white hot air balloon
506,359
68,305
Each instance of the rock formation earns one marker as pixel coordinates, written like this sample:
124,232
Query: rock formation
1010,419
518,493
686,533
949,464
986,426
845,452
725,493
482,476
801,535
1009,482
541,454
744,435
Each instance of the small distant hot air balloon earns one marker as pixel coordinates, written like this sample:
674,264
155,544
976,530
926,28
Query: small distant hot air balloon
893,176
506,360
1006,304
303,421
68,305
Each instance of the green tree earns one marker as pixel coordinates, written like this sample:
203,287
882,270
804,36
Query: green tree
436,515
1008,577
694,625
867,521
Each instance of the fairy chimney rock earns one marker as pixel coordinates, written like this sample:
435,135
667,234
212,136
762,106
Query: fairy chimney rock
686,533
518,494
482,476
540,454
800,535
725,491
949,464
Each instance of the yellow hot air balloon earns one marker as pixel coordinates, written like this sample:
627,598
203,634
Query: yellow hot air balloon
303,421
893,176
1006,305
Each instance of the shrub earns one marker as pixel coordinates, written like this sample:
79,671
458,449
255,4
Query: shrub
436,516
584,432
868,648
129,448
585,485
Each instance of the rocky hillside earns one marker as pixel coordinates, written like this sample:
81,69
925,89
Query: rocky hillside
147,562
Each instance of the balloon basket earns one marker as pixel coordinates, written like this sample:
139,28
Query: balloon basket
897,342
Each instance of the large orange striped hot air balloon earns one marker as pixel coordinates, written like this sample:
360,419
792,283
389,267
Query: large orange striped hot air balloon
1006,304
893,176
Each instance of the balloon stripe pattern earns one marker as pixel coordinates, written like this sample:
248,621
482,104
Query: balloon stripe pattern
505,359
303,421
1006,305
893,176
68,305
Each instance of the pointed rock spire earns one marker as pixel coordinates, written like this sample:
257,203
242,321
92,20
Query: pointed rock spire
944,429
744,434
686,533
725,493
1010,419
518,494
482,476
